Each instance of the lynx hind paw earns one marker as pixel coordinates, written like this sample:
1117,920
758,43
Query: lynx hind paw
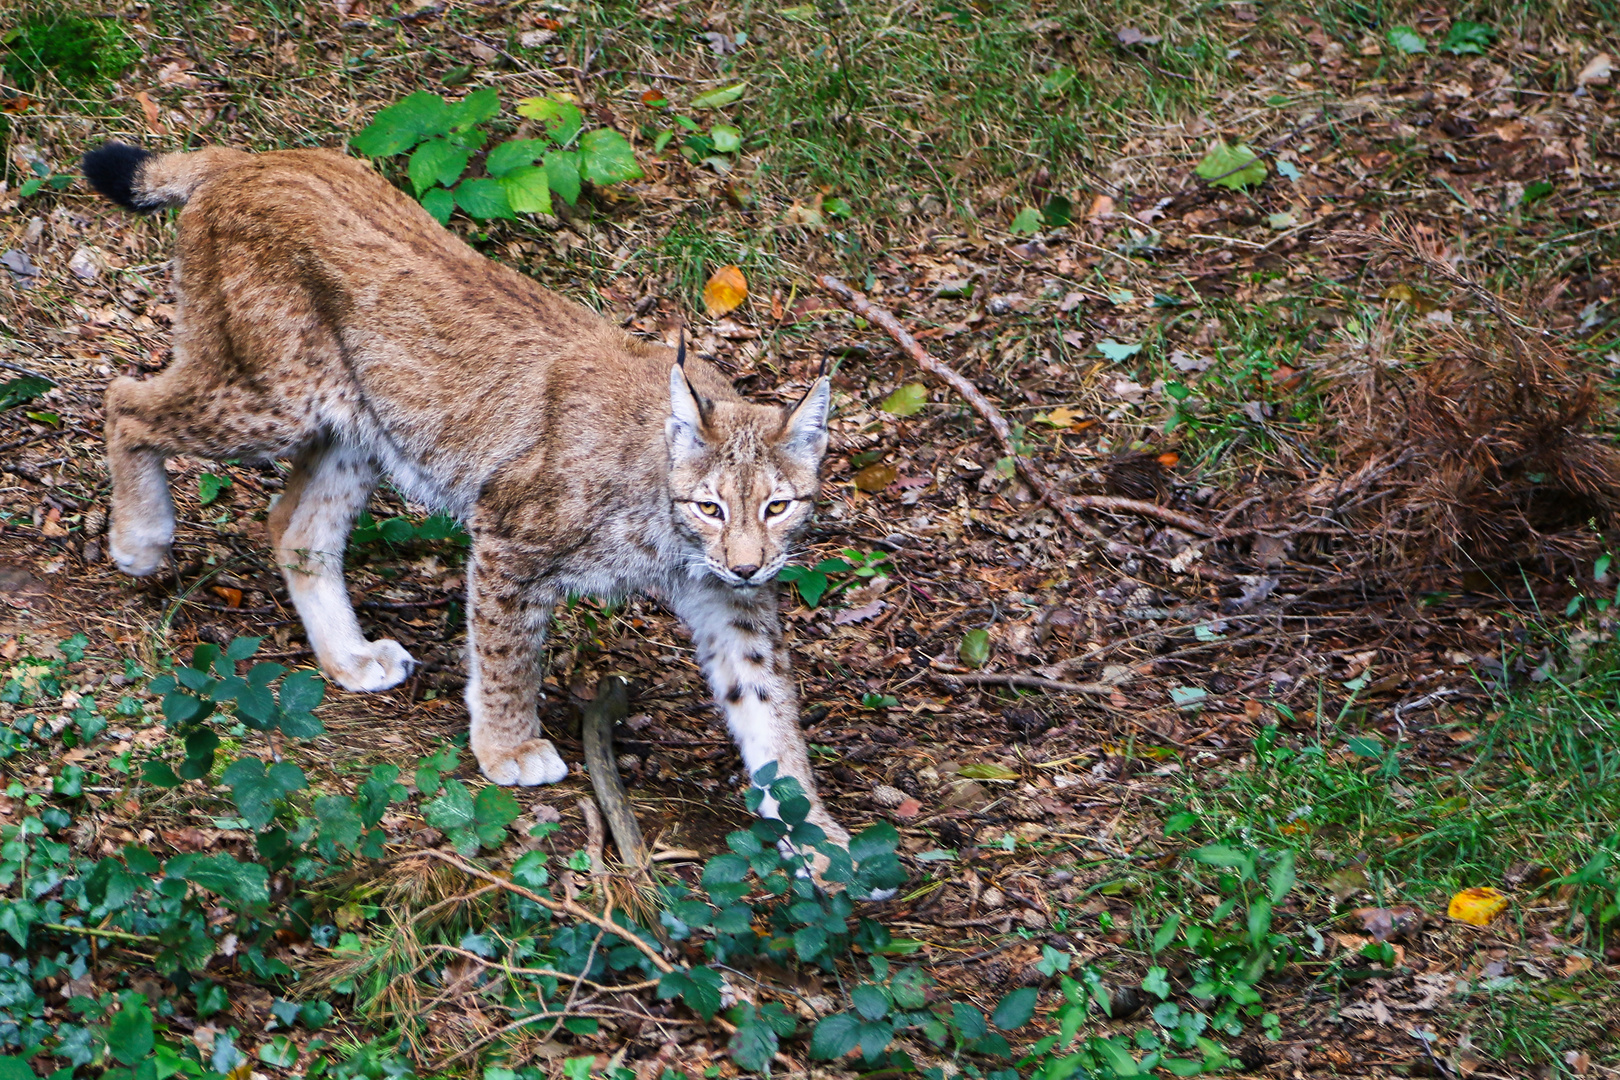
381,665
529,764
136,559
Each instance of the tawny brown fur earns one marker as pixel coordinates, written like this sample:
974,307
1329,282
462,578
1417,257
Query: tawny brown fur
325,317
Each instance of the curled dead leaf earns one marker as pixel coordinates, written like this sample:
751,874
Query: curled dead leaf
727,288
150,108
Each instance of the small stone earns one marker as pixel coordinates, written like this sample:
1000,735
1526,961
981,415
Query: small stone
1032,919
884,795
992,899
535,39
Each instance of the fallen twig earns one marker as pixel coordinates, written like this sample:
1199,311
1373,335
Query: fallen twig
991,415
612,703
627,988
1028,682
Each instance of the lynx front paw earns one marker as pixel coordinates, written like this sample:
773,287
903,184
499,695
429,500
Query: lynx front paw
380,665
135,558
530,763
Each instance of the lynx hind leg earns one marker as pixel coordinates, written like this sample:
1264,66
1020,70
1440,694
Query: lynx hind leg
506,627
142,525
309,527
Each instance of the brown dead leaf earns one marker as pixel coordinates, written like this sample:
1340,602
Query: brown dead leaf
726,289
908,809
875,478
232,597
860,614
1385,924
1101,207
150,108
1576,965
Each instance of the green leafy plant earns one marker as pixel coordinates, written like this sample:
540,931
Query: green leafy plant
1232,165
1468,38
24,388
442,139
815,583
81,53
42,178
1407,40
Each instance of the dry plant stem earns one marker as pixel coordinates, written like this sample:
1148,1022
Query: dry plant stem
594,837
612,704
565,907
1030,682
991,415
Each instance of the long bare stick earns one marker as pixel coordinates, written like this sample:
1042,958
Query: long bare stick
1027,682
611,704
991,415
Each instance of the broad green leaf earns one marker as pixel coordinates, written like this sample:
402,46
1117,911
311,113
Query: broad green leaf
1281,879
974,649
439,203
452,810
1027,223
1117,351
835,1036
754,1043
1186,697
607,158
256,790
527,190
339,822
727,139
244,883
129,1036
1221,855
563,174
1407,40
1015,1009
717,99
1231,165
495,805
870,1001
1468,38
280,1051
988,771
483,199
437,161
514,154
404,124
302,691
25,388
476,108
906,400
561,119
209,486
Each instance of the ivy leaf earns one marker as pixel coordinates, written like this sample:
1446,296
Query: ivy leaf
483,199
562,173
607,158
452,810
1027,223
1015,1009
528,191
906,400
562,119
404,124
437,161
209,486
1231,165
129,1037
247,884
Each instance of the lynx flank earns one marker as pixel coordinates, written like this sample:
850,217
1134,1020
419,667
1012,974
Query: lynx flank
323,316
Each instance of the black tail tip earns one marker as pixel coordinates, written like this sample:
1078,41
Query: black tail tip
112,169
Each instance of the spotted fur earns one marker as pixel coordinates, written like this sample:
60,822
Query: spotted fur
323,316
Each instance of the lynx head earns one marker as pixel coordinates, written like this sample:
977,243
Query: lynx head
743,477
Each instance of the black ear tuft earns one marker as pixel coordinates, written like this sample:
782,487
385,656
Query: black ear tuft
680,351
112,170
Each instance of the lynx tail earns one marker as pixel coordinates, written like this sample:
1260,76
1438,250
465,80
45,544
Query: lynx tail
142,181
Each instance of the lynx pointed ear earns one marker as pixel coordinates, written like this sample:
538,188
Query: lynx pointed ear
806,427
684,427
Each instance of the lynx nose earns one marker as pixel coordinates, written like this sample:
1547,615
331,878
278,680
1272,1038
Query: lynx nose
745,571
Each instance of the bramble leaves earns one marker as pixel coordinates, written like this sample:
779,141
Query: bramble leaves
256,790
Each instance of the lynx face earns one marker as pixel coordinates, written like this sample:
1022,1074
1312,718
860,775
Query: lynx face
743,479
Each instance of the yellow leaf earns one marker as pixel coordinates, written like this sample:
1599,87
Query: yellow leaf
1477,906
875,477
1062,416
725,290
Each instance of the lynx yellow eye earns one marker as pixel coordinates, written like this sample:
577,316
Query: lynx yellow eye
777,508
708,509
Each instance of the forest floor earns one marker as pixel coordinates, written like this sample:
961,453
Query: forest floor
1305,624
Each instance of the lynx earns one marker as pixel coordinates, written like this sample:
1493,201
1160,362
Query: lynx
323,316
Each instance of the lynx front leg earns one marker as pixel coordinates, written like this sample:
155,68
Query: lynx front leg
309,526
506,626
739,646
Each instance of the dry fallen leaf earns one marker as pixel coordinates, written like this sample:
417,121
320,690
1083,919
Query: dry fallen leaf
1597,70
725,290
1477,906
875,477
232,597
150,108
